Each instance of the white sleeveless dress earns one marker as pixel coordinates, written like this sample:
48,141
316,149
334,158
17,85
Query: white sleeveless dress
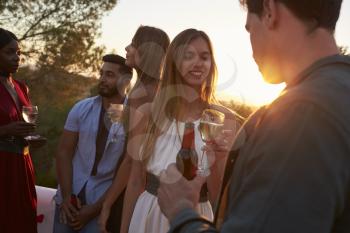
147,216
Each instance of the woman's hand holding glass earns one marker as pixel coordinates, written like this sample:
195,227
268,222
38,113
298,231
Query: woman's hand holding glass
18,128
30,115
210,126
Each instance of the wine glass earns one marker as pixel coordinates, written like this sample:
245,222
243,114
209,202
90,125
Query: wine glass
210,126
114,114
30,115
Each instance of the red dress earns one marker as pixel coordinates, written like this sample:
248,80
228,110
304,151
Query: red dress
17,184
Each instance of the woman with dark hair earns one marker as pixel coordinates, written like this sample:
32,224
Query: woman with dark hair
17,196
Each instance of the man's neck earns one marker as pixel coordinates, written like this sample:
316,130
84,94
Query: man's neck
306,51
106,101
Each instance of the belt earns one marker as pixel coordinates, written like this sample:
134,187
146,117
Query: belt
152,185
15,145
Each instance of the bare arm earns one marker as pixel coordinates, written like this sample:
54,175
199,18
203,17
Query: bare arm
18,128
123,173
64,169
214,180
218,161
136,128
137,178
118,185
119,182
134,188
64,157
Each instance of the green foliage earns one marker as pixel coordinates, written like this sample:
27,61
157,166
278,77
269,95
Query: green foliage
55,92
59,33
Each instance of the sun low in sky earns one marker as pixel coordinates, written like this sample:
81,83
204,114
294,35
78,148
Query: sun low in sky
223,21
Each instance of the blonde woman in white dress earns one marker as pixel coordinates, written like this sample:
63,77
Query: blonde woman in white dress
187,88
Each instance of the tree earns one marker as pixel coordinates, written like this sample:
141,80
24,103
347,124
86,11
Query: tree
58,33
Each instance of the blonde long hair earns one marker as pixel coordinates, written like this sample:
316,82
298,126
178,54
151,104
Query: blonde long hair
167,102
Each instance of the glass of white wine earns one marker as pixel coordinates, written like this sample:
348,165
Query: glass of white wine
114,114
210,126
30,115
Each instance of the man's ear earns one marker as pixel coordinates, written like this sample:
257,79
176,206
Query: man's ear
270,13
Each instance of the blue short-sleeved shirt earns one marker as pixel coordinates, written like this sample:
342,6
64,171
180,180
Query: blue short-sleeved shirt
84,119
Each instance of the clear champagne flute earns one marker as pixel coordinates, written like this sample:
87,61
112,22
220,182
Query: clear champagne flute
114,114
30,115
210,126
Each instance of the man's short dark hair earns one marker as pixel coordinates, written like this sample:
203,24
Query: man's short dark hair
319,13
116,59
6,37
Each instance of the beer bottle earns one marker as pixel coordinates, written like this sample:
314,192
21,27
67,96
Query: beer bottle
186,159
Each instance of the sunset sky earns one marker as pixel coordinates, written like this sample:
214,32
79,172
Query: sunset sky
223,21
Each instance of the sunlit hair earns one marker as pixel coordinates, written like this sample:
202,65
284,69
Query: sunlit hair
168,101
316,13
151,44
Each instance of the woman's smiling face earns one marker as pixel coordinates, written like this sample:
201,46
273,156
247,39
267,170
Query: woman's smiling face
196,62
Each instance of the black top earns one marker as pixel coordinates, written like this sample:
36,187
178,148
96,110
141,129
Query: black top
101,139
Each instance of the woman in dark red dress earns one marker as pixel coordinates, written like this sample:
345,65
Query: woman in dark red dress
17,185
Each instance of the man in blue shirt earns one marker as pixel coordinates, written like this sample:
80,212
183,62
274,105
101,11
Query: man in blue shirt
89,151
289,169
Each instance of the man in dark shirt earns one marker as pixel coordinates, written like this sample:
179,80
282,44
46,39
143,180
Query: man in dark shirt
289,170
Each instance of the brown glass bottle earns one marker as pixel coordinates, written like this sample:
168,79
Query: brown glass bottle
186,160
